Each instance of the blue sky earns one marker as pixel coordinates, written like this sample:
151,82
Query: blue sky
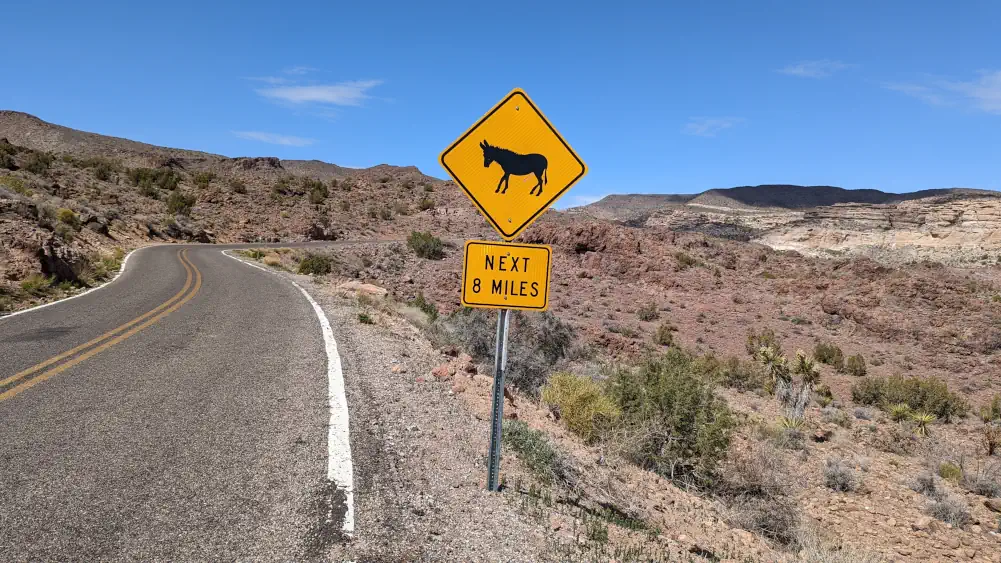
654,96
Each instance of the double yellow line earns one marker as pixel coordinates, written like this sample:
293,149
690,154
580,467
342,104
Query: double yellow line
89,349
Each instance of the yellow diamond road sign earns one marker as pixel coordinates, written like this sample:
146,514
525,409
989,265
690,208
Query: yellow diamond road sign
513,164
497,275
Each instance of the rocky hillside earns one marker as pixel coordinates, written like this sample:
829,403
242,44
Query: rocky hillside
955,226
70,201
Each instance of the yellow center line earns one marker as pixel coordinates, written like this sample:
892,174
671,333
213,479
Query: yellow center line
187,284
98,349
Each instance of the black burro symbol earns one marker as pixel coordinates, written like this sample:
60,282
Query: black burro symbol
517,164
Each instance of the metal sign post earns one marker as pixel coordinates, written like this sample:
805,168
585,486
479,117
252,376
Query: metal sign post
497,410
513,147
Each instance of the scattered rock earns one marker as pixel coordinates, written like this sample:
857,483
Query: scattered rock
60,260
993,504
443,371
822,435
363,288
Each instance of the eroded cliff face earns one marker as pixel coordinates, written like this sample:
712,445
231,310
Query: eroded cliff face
954,230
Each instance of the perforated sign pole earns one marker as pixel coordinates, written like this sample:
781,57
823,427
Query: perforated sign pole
497,410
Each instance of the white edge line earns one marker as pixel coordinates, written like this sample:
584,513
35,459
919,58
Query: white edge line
339,467
121,270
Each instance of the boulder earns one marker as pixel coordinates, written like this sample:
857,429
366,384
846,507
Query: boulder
183,228
318,231
59,260
993,504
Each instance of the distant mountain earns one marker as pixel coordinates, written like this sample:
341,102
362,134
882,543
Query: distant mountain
626,207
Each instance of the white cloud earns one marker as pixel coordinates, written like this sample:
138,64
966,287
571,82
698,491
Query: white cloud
275,139
351,93
299,70
709,126
982,93
814,69
923,93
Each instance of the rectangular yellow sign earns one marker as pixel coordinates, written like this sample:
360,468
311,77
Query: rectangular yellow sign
497,275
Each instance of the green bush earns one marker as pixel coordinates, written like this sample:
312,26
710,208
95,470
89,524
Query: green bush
426,245
924,394
7,162
676,425
238,186
180,203
648,312
581,403
103,171
830,354
365,319
741,375
203,179
764,339
37,285
533,447
425,204
38,163
385,214
316,264
684,261
164,178
855,365
68,217
429,308
664,335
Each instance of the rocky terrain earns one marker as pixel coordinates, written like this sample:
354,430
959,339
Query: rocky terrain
899,285
956,226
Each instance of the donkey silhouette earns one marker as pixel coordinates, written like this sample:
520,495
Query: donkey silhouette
517,164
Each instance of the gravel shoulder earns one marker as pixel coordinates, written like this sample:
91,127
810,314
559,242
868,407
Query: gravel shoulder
419,453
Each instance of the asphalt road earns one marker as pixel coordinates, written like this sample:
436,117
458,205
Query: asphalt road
178,413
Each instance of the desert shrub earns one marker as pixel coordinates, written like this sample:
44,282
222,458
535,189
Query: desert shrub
316,264
385,214
833,415
385,179
68,217
990,438
925,484
536,344
683,261
838,476
985,480
855,365
741,375
764,339
950,471
627,331
774,518
103,171
254,253
238,186
400,208
7,162
426,204
365,319
580,403
678,427
950,509
429,308
992,410
664,335
203,179
147,189
426,245
180,203
926,394
345,205
37,285
38,163
542,458
648,312
894,439
922,422
163,178
830,354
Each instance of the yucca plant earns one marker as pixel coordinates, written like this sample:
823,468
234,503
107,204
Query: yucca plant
824,400
791,422
900,412
922,420
775,363
806,368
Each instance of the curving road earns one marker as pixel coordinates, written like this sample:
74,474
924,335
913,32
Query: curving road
180,413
